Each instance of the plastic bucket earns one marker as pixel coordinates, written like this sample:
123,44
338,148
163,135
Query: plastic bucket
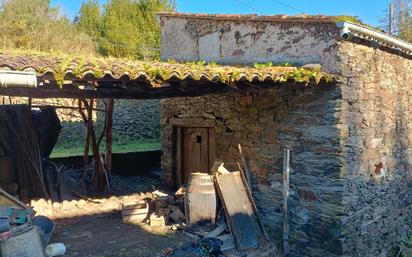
57,249
46,226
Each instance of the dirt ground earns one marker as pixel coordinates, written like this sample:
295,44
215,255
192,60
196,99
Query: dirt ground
95,229
105,235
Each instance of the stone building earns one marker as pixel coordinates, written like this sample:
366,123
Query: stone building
351,143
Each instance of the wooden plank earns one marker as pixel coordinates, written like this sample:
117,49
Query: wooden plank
195,151
255,209
241,218
217,231
245,166
203,136
178,157
69,91
8,200
212,148
193,122
286,171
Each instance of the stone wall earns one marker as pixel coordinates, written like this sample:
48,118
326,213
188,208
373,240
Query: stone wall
265,123
377,113
188,39
351,185
133,120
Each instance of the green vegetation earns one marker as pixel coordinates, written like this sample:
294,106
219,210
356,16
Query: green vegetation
77,148
33,24
124,28
271,64
119,28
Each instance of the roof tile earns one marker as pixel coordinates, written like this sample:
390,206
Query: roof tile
80,68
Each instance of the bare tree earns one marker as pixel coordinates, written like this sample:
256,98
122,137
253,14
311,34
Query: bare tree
402,19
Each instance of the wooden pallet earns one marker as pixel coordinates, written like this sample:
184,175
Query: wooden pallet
135,213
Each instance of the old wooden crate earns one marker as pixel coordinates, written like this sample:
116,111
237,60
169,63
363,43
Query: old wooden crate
134,213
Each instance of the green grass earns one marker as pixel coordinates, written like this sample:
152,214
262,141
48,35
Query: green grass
64,151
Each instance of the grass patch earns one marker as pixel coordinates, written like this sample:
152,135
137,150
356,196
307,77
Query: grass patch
64,151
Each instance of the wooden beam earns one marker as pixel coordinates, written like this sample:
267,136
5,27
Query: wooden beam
109,136
143,90
193,122
65,107
111,93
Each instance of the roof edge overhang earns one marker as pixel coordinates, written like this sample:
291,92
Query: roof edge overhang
349,30
303,18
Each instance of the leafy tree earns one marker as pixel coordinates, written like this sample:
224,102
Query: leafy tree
125,28
33,24
89,19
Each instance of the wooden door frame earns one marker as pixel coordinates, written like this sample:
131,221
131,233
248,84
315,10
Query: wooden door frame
179,124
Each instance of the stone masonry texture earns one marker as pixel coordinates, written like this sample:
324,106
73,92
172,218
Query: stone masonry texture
351,144
133,120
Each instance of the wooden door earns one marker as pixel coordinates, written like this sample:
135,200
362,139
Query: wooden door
195,151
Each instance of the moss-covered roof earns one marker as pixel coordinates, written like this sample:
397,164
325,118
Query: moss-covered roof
66,69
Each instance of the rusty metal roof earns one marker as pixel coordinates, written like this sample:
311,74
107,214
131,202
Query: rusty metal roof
254,17
55,71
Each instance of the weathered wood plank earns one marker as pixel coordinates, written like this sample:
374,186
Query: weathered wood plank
195,151
179,157
212,148
193,122
286,171
252,201
241,218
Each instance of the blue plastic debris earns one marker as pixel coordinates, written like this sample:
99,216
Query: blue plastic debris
4,225
208,247
5,212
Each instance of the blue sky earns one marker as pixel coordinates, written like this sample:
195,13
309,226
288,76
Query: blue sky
367,10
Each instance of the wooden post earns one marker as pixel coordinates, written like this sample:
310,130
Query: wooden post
87,145
179,180
109,136
286,171
245,166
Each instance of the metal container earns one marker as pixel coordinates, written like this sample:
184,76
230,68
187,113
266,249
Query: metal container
200,201
25,242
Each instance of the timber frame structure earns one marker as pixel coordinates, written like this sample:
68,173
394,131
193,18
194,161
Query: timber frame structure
88,79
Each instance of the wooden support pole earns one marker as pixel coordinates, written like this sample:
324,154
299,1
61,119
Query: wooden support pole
286,171
246,170
87,145
109,136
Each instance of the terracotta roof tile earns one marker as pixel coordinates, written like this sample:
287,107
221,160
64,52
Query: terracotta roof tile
254,17
81,68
